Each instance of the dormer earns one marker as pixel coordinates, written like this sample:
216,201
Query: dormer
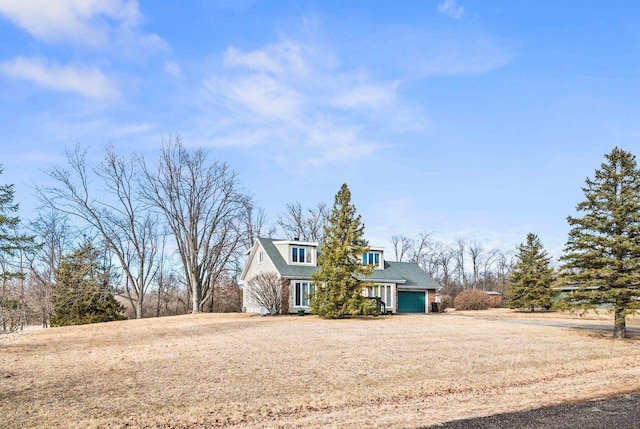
296,252
374,257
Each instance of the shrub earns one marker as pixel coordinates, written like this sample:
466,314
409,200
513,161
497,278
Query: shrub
472,300
265,290
446,301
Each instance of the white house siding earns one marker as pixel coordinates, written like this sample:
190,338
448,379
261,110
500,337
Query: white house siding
254,268
283,248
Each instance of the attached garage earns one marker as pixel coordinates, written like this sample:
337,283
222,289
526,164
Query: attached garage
411,302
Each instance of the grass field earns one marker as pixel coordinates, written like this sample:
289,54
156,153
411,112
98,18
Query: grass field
244,371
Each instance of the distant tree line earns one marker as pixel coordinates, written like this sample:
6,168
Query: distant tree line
465,264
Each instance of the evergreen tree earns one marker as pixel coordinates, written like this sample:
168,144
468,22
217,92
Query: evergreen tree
602,254
531,276
12,307
82,292
10,241
338,288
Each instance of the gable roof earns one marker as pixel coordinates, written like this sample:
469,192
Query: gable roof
408,274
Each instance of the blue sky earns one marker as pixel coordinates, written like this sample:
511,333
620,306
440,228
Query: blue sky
461,118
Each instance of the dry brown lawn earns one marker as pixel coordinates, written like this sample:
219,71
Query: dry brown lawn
246,371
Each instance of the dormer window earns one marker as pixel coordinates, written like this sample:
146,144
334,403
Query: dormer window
371,258
300,255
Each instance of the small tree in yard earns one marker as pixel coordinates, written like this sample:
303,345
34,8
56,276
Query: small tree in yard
83,292
602,255
531,278
338,290
266,290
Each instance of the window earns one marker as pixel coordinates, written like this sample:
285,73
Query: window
302,292
371,258
301,255
381,291
260,257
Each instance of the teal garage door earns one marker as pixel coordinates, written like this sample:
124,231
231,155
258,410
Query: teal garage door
411,302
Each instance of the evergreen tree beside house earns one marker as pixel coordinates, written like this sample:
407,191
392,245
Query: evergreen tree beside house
347,268
338,284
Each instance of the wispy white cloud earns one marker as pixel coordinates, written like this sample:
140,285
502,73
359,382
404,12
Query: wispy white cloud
466,54
93,23
296,102
264,97
173,68
86,81
451,8
276,58
368,95
290,98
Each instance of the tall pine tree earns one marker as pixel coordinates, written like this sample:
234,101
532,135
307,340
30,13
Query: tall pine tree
531,277
10,240
11,243
602,255
338,284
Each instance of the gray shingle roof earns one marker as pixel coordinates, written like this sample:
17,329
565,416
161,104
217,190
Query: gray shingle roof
407,274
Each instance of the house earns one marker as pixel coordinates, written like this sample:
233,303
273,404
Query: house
496,298
403,286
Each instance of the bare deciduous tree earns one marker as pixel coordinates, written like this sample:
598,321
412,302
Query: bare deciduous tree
461,265
459,253
54,236
117,214
203,206
227,295
265,290
254,220
475,253
402,246
306,224
504,265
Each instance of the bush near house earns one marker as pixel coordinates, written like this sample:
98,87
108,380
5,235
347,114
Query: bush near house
472,299
446,302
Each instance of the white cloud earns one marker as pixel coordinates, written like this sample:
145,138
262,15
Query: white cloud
173,68
367,95
94,23
88,82
297,104
465,55
276,58
451,8
263,96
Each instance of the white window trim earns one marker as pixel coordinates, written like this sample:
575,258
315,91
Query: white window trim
380,264
308,255
310,286
381,289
